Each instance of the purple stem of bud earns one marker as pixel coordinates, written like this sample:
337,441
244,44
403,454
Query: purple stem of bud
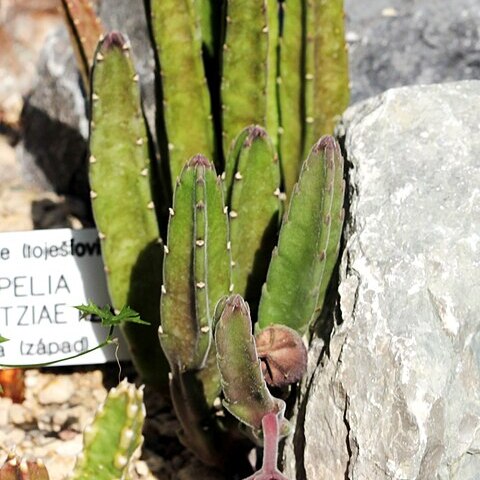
270,435
269,470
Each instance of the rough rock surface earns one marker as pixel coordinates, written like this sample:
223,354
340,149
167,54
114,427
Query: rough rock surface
53,151
397,394
54,124
23,28
404,42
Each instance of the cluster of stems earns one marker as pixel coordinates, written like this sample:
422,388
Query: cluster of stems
221,223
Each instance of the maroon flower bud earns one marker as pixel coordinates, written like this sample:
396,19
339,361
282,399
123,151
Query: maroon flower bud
282,354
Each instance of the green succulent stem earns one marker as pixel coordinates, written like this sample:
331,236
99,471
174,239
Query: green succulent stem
114,437
246,395
123,207
255,181
292,84
244,76
300,265
178,43
201,431
330,82
196,266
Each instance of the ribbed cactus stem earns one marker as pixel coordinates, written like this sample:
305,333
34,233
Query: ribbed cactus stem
245,77
196,274
330,81
336,218
200,431
292,85
272,119
114,437
120,177
298,270
196,265
246,394
308,71
178,44
255,181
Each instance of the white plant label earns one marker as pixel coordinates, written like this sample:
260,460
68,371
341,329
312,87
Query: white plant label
43,275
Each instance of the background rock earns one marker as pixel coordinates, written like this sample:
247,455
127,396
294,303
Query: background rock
397,392
406,42
54,123
54,117
24,26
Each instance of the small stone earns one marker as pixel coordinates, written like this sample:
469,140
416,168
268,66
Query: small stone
59,390
60,417
3,440
5,405
31,378
16,436
67,435
389,12
19,414
70,447
142,468
41,451
60,466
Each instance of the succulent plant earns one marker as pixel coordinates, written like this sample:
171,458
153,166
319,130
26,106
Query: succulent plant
114,436
109,443
245,88
16,468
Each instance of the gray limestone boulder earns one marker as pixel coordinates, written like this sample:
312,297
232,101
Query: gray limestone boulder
405,42
54,123
394,388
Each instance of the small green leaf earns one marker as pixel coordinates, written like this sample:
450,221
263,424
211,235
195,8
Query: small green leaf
107,317
128,314
92,309
3,339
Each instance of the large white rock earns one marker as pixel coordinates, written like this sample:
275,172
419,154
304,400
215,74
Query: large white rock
397,392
